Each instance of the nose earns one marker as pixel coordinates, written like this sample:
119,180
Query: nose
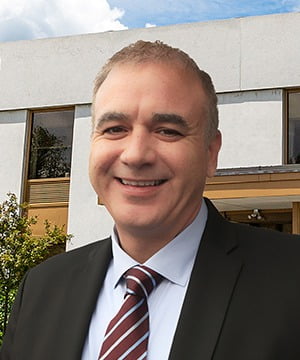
139,149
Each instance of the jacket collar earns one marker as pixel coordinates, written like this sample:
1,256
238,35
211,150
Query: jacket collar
214,276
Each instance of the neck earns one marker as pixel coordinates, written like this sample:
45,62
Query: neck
141,243
142,247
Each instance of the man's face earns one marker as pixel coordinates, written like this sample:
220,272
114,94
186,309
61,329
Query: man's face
149,153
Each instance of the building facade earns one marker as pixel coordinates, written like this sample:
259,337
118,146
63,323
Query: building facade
45,98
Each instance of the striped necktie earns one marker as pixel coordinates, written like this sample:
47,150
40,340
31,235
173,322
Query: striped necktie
126,337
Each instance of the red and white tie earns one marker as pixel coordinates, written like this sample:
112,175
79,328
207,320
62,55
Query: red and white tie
127,334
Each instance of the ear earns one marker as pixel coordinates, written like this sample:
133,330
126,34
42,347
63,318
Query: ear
212,154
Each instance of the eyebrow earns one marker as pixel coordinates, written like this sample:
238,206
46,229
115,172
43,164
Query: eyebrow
157,118
111,116
171,119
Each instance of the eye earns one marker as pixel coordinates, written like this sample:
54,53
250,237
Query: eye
114,130
168,132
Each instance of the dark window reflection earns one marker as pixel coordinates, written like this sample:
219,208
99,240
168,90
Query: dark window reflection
294,128
51,144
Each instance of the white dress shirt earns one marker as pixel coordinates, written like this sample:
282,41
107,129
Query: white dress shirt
174,262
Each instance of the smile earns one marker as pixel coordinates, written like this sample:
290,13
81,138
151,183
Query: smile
142,183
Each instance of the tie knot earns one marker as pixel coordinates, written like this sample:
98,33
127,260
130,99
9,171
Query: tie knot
140,280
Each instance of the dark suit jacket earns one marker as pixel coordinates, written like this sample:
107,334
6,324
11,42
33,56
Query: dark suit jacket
242,303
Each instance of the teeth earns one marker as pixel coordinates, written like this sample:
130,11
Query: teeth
141,183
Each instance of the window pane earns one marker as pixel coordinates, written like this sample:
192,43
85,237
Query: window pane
294,128
51,144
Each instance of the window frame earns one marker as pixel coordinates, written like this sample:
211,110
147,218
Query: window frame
29,124
286,125
30,116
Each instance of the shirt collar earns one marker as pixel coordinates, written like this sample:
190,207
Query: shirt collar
174,261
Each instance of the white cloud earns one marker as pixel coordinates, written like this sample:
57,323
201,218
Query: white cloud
148,25
28,19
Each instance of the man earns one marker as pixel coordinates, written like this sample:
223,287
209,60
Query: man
225,291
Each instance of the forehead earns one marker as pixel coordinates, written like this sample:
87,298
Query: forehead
159,87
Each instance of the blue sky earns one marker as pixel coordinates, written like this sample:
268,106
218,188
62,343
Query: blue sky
32,19
137,13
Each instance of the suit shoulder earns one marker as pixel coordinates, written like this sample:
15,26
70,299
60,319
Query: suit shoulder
248,232
75,257
262,243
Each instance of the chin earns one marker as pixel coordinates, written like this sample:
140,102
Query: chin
136,223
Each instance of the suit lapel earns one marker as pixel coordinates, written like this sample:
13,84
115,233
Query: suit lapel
216,271
87,276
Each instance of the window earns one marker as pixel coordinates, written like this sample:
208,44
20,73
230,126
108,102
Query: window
51,144
49,165
293,102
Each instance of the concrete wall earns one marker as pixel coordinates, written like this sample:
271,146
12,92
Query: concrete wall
87,220
252,128
240,54
12,136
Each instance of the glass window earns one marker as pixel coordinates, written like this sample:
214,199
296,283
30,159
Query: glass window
294,127
51,144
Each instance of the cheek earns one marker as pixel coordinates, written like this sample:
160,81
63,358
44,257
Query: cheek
100,159
97,172
195,168
192,159
93,163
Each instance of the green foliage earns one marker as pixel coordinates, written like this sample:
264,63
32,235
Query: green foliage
20,250
6,301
